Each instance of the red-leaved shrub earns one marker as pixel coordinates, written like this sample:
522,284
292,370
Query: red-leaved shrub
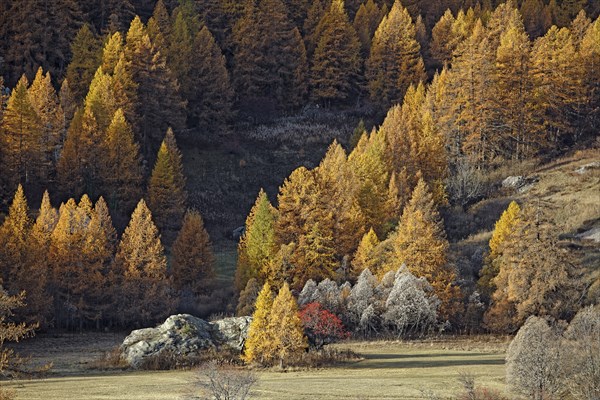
321,326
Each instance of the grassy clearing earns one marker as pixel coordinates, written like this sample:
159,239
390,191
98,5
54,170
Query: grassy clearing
225,263
389,370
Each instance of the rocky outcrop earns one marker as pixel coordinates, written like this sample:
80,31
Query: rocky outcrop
519,183
184,335
591,234
587,167
513,182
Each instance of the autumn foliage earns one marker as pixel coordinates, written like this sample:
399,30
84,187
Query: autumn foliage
97,104
321,326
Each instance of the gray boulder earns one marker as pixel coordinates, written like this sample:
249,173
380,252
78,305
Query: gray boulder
231,332
513,182
184,335
519,183
592,234
585,168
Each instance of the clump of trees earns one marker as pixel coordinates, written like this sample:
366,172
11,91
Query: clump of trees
530,274
99,137
76,271
275,335
398,304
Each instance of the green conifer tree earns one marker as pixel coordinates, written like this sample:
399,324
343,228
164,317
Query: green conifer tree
257,246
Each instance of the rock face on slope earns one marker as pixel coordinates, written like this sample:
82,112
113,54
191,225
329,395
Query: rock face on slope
184,335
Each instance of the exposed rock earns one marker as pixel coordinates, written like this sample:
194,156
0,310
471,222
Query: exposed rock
592,234
231,332
513,182
585,168
184,335
238,232
520,183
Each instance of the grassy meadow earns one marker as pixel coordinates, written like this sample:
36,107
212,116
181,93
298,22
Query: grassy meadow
387,370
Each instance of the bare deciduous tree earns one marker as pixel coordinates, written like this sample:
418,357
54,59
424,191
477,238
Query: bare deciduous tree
223,382
581,361
533,360
466,183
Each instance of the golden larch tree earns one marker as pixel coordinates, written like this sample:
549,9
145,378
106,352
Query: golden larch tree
213,100
371,168
314,255
67,102
416,145
442,43
420,243
111,52
296,200
365,24
335,178
158,103
247,299
557,71
76,273
100,99
146,296
395,61
125,89
122,171
363,258
39,300
515,109
259,339
312,26
20,271
47,105
87,56
270,58
336,63
285,329
166,194
78,171
21,138
192,265
503,229
536,275
589,50
14,231
470,87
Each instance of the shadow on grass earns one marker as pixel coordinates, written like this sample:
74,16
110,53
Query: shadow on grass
391,356
378,361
